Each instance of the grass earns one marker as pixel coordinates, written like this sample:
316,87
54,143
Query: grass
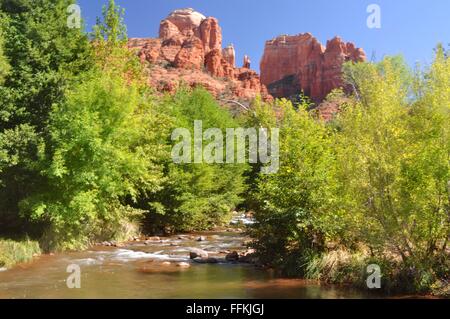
13,252
337,267
344,267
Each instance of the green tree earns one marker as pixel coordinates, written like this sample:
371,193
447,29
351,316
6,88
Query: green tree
196,196
428,172
45,58
370,147
112,29
393,165
109,39
101,155
102,158
291,202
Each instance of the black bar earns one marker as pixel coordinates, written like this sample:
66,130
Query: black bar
303,308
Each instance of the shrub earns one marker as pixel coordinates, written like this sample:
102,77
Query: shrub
13,252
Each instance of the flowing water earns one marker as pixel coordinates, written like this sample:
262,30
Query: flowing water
152,269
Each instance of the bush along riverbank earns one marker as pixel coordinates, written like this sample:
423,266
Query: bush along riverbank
14,252
343,267
370,187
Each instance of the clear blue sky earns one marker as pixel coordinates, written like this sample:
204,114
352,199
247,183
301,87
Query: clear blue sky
408,27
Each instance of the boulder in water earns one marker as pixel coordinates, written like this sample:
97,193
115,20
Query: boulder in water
197,252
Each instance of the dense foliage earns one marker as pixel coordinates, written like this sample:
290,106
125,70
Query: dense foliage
45,58
85,143
196,195
393,160
289,222
373,181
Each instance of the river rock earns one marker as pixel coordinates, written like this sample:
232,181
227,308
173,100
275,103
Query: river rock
151,240
183,265
209,260
234,256
201,238
250,258
197,252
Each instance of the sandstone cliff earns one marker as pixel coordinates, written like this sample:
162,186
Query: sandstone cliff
189,50
292,64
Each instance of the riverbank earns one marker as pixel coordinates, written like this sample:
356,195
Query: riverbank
13,252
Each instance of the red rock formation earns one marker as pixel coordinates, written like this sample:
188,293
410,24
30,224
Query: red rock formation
189,50
211,34
186,21
149,49
167,30
248,82
292,64
213,63
191,54
247,62
218,66
229,54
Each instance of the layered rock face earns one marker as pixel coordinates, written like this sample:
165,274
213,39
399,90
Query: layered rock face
189,50
292,64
